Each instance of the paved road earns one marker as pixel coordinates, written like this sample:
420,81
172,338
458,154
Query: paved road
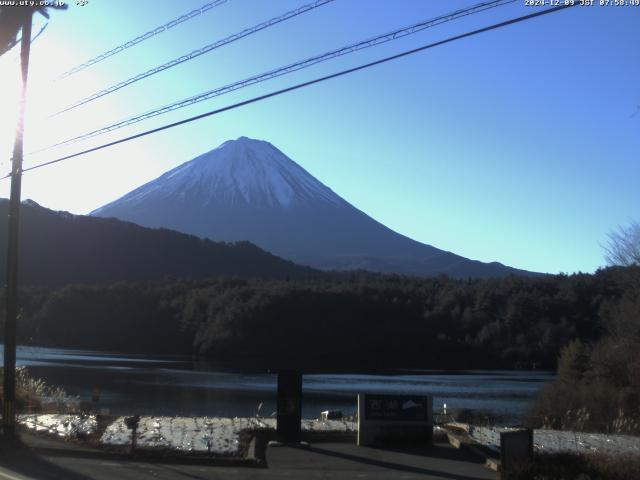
47,459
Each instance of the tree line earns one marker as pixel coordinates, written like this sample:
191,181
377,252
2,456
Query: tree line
598,382
340,322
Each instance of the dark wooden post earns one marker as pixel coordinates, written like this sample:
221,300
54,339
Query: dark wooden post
289,418
9,386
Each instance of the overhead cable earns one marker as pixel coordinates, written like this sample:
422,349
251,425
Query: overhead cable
145,36
297,87
196,53
387,37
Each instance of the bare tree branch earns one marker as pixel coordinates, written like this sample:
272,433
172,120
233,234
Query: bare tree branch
623,247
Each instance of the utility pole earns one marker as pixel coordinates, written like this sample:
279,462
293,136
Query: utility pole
8,408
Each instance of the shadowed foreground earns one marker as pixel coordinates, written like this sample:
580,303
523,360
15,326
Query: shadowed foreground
42,458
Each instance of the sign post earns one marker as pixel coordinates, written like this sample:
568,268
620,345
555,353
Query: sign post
387,419
132,424
289,416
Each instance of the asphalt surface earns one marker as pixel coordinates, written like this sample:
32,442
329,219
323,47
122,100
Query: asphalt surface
42,458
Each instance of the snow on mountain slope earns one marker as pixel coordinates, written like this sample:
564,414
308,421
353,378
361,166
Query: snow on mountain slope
249,190
240,172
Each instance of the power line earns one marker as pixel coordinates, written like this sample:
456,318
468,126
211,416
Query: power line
399,33
151,33
33,39
40,32
196,53
299,86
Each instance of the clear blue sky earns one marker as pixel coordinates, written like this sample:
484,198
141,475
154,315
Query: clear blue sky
518,145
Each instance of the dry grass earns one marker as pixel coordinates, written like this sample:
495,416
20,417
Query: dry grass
34,395
586,407
567,466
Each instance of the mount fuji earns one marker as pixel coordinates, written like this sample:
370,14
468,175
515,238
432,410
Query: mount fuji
249,190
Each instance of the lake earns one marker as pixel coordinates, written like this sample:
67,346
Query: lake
175,385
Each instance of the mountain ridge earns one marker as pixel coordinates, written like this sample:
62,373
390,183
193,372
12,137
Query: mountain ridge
58,248
248,189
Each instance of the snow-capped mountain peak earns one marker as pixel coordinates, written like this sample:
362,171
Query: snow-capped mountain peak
249,190
242,171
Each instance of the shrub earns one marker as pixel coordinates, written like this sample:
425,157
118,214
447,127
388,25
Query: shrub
33,394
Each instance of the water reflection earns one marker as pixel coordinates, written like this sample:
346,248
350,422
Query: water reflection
173,385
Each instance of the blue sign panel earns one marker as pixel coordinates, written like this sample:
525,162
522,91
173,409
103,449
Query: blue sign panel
404,408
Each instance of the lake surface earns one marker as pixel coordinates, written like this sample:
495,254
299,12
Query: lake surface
181,386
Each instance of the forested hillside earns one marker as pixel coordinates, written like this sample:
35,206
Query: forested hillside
58,248
344,322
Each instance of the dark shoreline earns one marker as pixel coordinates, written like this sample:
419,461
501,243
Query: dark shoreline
245,367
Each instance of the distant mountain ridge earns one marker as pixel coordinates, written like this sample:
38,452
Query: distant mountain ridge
58,248
249,190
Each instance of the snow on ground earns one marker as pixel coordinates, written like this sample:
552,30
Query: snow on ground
76,426
221,436
328,426
215,435
562,441
187,434
218,436
316,426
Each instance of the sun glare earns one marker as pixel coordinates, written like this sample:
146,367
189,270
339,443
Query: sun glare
9,99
